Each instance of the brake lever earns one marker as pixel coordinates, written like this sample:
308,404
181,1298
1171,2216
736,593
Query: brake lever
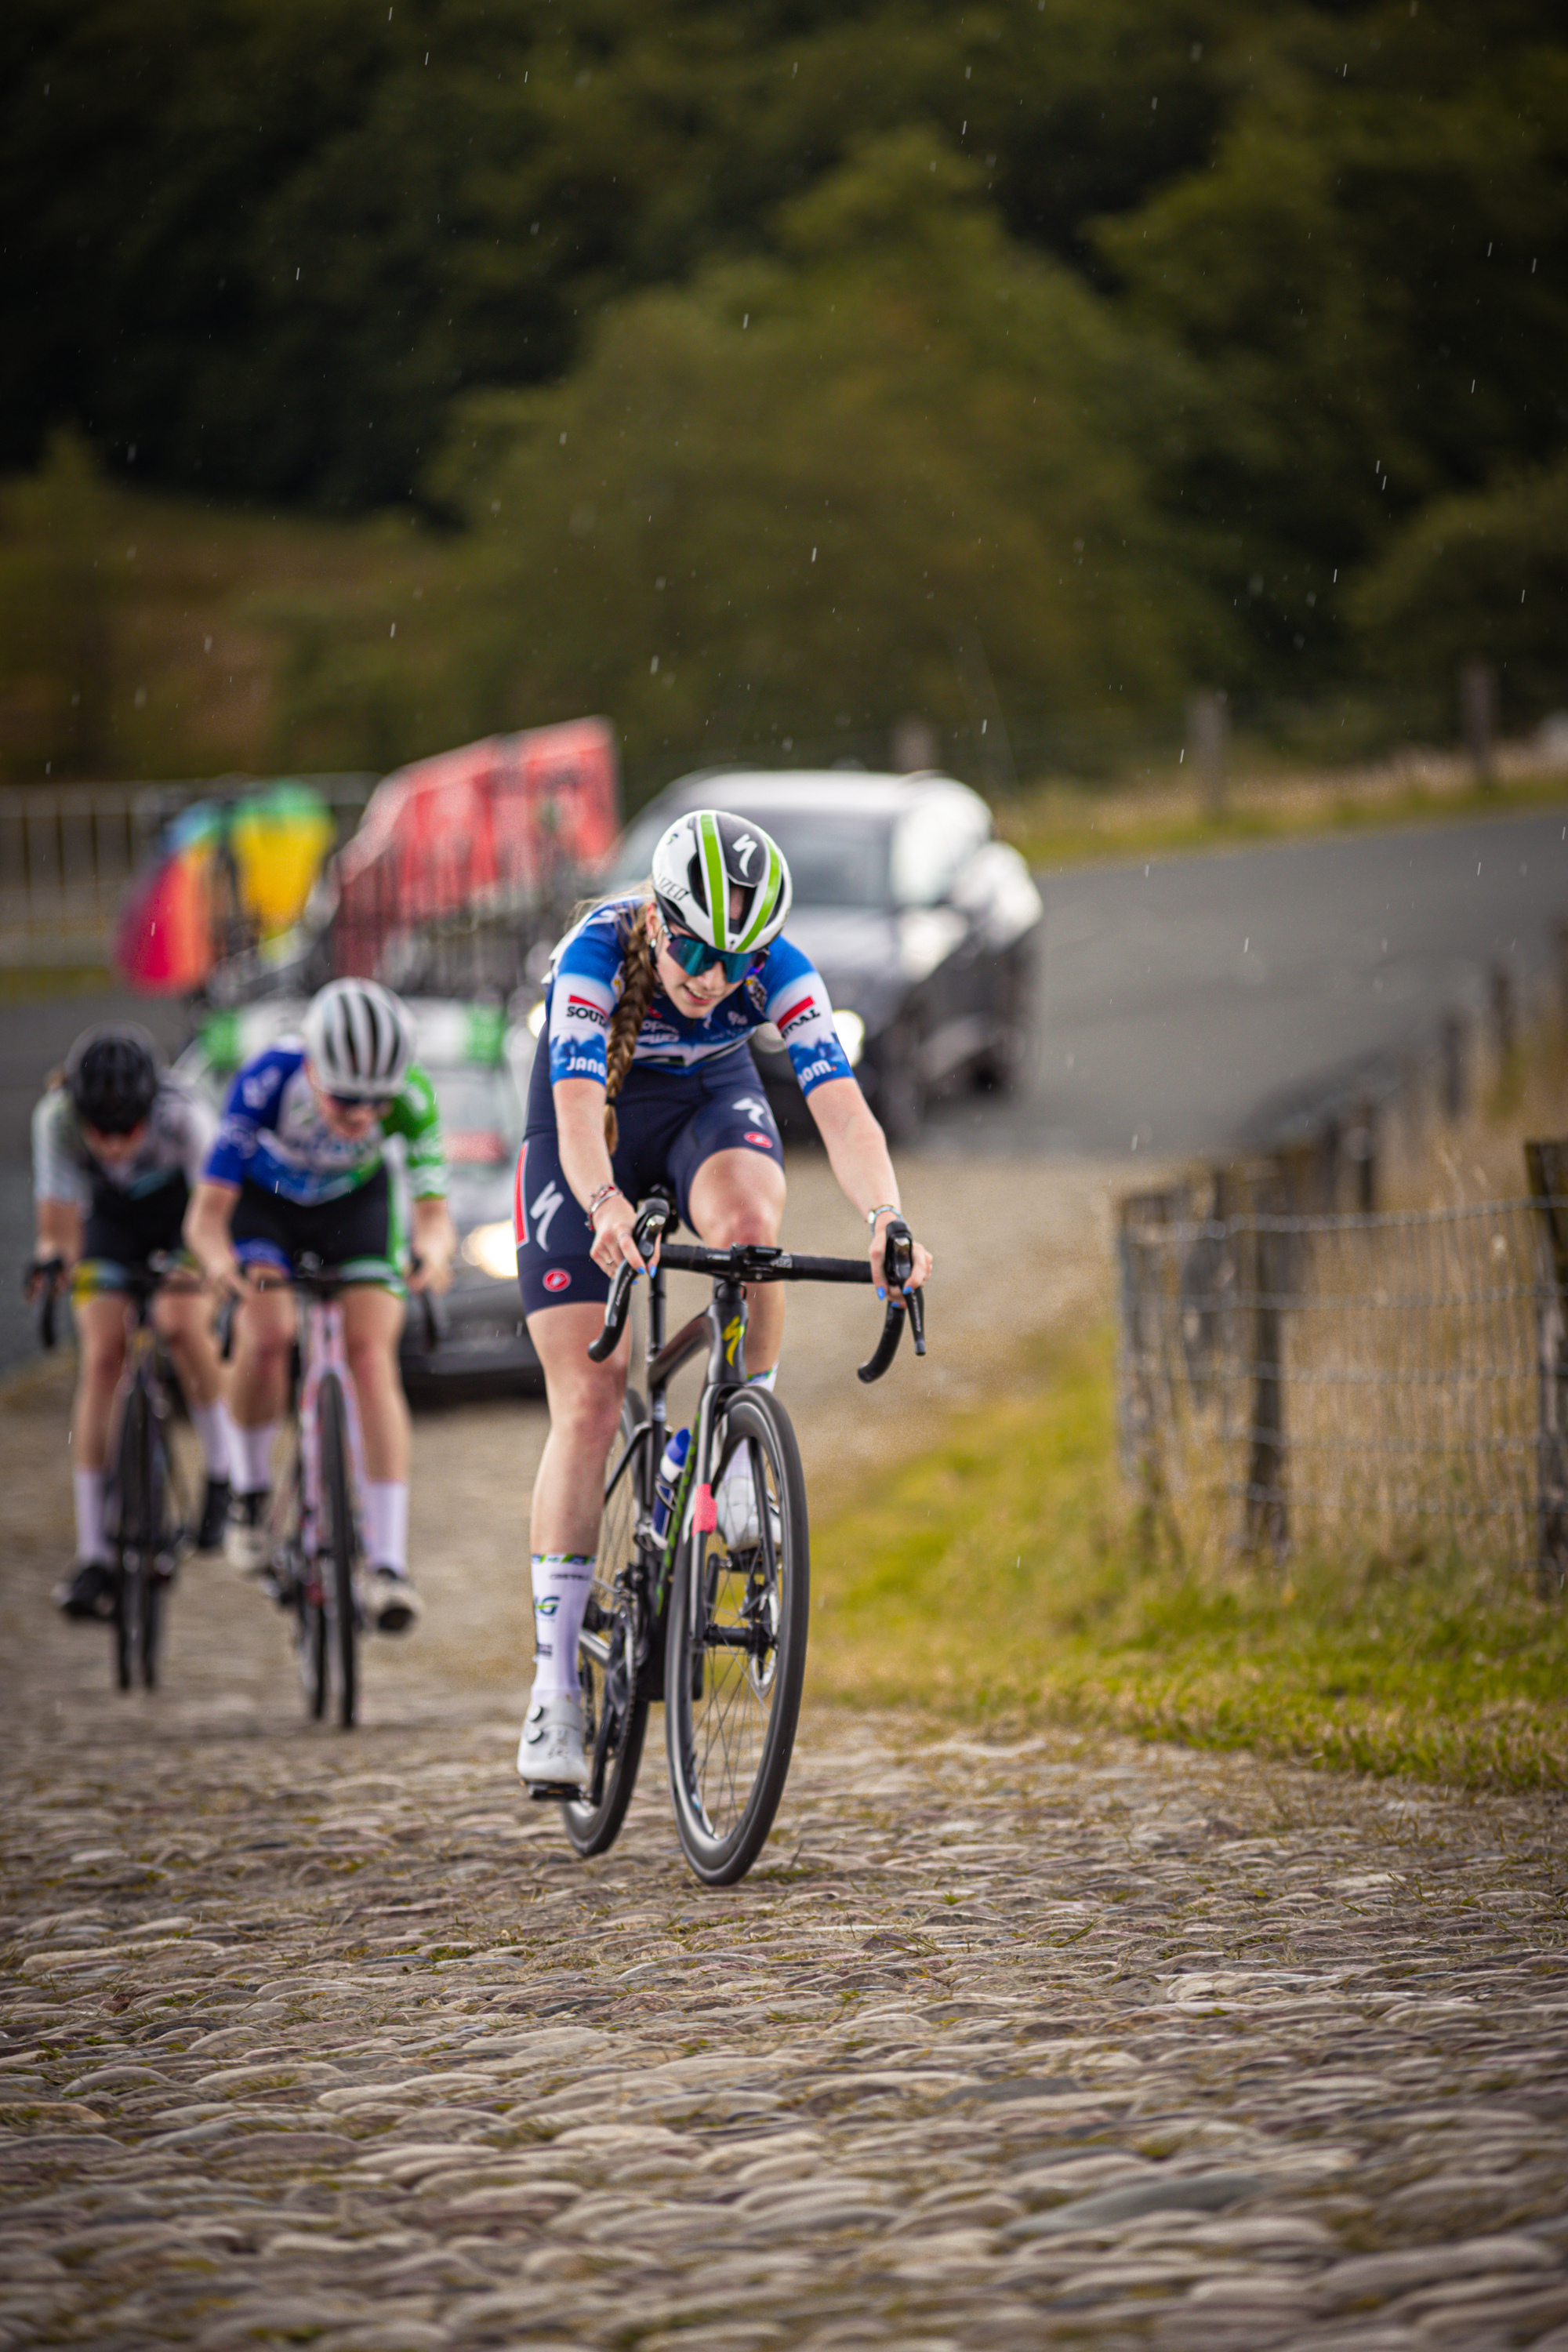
898,1265
651,1220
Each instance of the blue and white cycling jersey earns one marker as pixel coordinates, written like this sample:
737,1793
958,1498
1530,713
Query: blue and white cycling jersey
275,1135
586,982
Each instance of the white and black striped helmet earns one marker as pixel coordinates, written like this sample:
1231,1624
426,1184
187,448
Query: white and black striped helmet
704,856
359,1038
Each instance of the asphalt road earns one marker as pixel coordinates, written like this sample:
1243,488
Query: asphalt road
1192,1003
1186,1006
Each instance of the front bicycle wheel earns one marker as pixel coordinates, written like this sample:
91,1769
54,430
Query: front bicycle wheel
297,1584
132,1534
335,1545
735,1663
610,1671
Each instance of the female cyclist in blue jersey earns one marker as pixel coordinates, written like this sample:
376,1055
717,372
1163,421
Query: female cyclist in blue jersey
646,1075
299,1165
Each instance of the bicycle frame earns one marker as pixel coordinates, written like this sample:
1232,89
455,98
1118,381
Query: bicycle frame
322,1350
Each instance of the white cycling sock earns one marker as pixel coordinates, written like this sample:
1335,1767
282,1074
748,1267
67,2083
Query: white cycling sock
252,1455
387,1522
738,1469
212,1425
90,1540
561,1582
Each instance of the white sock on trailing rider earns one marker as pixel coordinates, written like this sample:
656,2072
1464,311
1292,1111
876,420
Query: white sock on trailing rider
561,1582
387,1522
252,1455
212,1425
90,1541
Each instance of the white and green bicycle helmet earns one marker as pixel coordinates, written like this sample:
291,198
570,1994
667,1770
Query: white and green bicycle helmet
701,860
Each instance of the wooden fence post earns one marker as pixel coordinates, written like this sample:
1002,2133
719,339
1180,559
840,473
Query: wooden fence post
1137,1212
1268,1508
1548,1167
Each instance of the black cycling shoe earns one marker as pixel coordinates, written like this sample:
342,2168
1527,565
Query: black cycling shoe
214,1514
92,1591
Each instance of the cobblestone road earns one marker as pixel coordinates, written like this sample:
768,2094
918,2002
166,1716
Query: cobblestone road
319,2040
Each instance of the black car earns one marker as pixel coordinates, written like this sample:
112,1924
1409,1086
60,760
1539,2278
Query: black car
922,924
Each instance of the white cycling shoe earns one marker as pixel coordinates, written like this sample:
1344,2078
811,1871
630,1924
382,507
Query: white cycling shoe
551,1757
247,1535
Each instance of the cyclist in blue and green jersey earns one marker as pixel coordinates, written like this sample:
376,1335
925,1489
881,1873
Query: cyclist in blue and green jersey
299,1165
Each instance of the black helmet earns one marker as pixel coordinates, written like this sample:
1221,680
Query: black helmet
112,1075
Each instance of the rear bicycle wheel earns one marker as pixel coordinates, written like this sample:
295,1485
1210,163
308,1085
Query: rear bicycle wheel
335,1549
610,1670
735,1663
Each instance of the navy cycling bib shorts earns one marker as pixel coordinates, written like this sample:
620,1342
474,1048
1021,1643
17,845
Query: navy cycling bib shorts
671,1121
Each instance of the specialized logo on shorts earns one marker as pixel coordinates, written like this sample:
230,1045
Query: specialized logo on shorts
753,1110
557,1278
578,1008
543,1210
802,1010
765,1141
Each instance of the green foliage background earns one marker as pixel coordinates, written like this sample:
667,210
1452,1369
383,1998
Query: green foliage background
1097,347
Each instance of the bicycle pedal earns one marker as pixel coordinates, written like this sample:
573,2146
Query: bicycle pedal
554,1793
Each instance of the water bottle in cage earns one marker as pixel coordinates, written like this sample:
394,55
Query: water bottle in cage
667,1485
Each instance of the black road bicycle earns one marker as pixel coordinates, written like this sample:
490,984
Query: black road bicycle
708,1612
146,1522
315,1533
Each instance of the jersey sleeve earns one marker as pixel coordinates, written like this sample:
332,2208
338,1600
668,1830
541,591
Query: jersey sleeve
194,1128
234,1146
582,997
417,1116
796,1001
57,1171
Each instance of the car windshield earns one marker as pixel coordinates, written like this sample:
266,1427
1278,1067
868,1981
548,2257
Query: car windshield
835,859
480,1119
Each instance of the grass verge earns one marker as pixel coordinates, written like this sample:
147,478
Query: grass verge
1062,824
1005,1578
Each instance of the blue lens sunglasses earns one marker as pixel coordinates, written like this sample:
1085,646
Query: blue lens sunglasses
695,956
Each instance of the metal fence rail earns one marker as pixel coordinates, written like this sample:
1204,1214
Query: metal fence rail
1382,1380
68,852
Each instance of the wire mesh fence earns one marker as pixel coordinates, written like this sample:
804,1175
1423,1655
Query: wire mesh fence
1390,1380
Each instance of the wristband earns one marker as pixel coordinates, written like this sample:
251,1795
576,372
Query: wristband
883,1209
606,1192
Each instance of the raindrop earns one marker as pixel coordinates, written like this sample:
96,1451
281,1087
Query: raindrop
983,724
1153,104
813,555
563,440
1181,758
1488,252
392,631
296,278
745,321
206,645
1246,943
653,666
1522,595
1472,384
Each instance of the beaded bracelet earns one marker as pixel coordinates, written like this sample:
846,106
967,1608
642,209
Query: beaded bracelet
604,1193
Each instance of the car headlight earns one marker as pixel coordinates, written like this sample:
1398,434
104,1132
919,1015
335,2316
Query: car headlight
536,1019
493,1250
851,1035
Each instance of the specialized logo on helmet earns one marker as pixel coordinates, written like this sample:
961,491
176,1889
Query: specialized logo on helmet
745,850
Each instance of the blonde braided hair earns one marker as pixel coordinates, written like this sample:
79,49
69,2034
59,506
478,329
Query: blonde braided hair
638,980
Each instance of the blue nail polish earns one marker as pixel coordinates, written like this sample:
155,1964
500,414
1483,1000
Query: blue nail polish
880,1292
